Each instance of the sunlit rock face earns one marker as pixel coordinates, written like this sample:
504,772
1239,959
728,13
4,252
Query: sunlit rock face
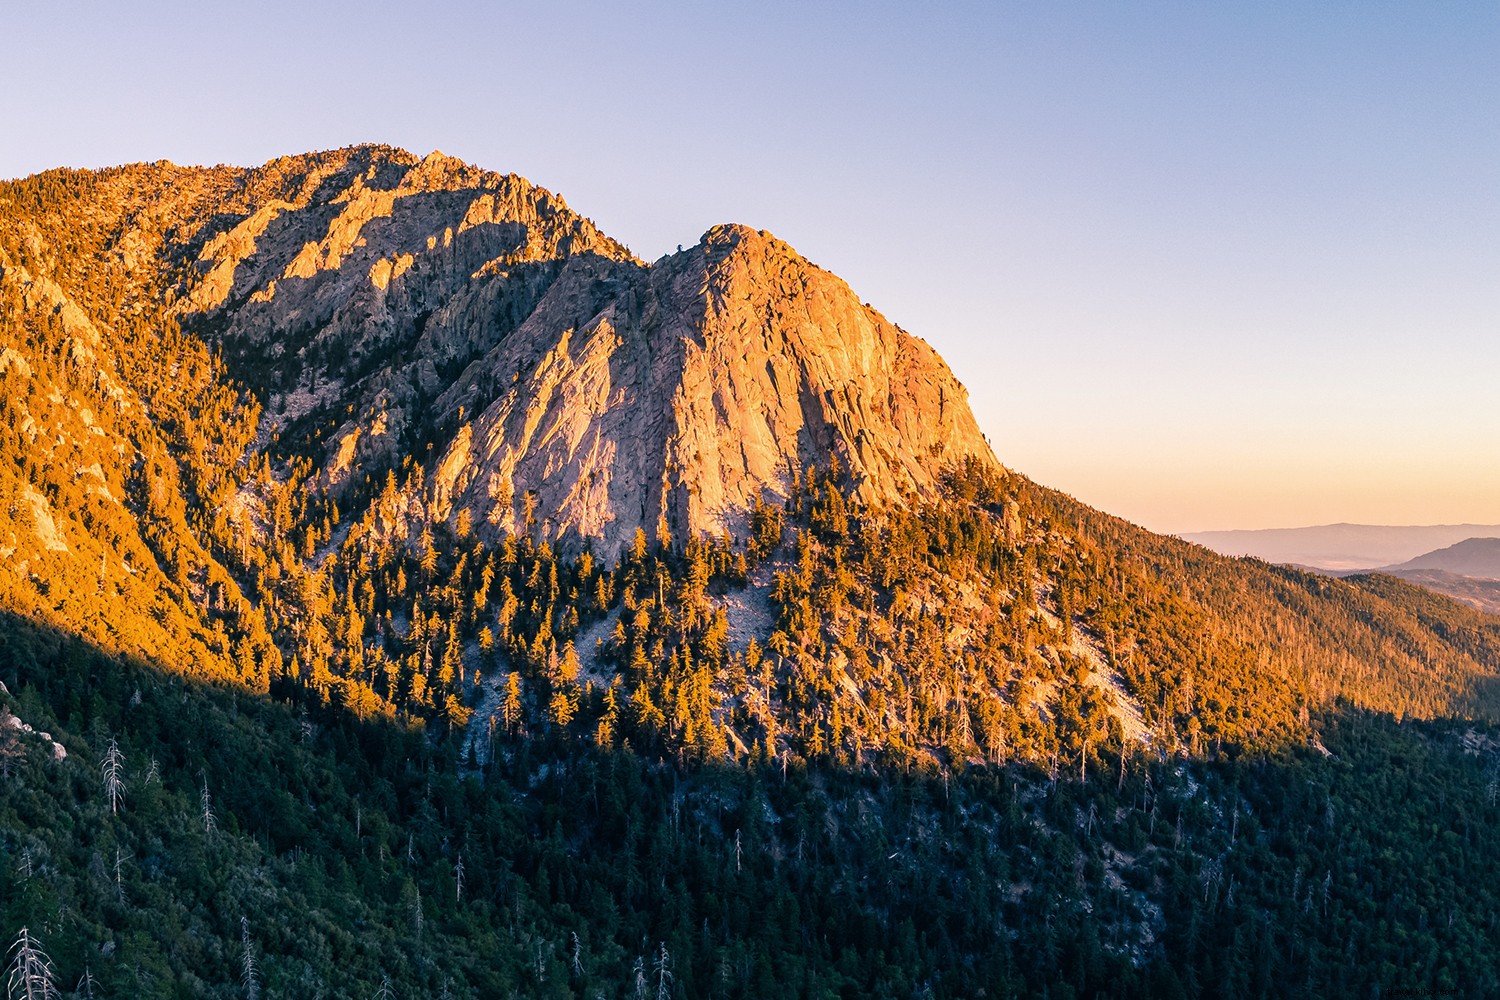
396,308
674,393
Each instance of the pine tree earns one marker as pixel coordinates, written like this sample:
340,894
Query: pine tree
663,969
31,974
638,975
561,707
609,721
210,823
511,708
247,962
114,776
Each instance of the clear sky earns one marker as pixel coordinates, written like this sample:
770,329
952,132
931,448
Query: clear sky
1205,265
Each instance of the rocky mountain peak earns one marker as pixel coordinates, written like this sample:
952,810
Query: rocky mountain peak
439,304
677,392
389,309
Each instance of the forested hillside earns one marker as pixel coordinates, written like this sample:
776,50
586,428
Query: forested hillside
905,724
347,858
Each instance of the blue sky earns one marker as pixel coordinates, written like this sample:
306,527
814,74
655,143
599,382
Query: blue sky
1204,265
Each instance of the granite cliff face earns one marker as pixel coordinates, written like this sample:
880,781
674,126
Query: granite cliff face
385,306
679,391
213,375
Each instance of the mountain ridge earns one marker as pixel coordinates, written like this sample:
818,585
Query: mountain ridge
917,727
563,306
1477,557
1341,546
539,436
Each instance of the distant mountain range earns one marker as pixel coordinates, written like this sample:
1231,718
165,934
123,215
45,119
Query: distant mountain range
1341,547
1475,557
1466,569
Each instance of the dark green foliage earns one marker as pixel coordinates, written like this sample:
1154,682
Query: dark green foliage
1294,874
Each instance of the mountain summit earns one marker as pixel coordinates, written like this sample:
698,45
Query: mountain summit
387,305
1474,557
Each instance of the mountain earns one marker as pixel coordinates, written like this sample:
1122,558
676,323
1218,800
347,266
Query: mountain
1338,546
1473,557
475,315
1464,570
366,426
468,605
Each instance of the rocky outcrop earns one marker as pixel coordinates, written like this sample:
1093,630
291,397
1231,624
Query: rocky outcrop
785,366
386,307
355,267
696,384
